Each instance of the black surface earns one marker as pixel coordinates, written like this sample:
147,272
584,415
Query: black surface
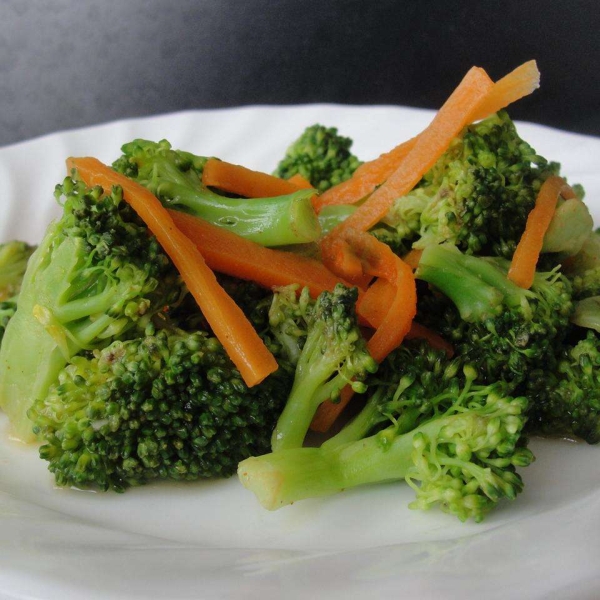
71,63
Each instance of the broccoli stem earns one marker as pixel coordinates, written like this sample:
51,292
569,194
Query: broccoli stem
304,399
283,477
475,286
331,216
277,221
367,419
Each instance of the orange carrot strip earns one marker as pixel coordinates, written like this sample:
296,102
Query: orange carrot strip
430,145
366,178
379,261
374,304
228,253
300,181
232,328
418,331
521,82
527,253
412,257
245,182
372,307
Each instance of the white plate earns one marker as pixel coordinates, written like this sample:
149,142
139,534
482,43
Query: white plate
211,539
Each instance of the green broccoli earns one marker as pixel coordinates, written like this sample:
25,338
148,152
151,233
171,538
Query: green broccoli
13,262
96,276
407,388
479,193
461,458
565,401
327,346
175,177
321,155
169,404
503,329
8,308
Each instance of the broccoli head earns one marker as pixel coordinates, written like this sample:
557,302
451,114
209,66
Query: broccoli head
96,276
321,155
504,330
566,401
479,193
175,178
460,455
169,404
324,341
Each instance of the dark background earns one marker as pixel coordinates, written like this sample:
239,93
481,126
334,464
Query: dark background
69,63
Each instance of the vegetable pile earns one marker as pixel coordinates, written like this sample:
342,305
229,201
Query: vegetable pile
189,318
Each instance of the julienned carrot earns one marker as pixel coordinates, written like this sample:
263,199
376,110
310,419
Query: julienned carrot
378,261
412,257
527,253
230,325
366,178
373,305
418,331
372,308
430,145
245,182
233,255
299,181
521,82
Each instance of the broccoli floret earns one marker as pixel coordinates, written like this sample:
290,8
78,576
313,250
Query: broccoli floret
463,458
407,389
479,193
329,351
503,329
166,405
13,262
175,177
96,276
565,401
321,155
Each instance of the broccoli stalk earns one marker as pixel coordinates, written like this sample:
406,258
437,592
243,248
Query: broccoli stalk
409,385
321,155
463,459
504,329
175,178
96,275
333,354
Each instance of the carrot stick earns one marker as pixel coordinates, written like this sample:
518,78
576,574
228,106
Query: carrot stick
234,255
521,82
412,257
527,253
300,181
232,328
245,182
418,331
394,324
430,145
373,305
366,178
